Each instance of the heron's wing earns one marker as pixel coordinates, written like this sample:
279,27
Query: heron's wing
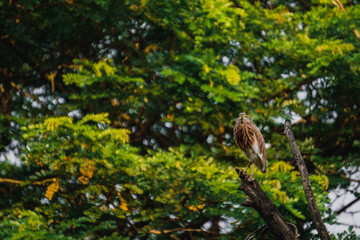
259,148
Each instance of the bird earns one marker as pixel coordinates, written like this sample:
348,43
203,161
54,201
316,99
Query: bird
251,142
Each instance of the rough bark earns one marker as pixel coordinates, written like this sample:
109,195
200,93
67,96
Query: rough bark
263,205
315,214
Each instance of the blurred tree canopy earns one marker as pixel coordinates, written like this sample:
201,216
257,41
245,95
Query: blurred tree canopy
120,114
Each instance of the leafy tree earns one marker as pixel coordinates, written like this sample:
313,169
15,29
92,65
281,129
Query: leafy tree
121,113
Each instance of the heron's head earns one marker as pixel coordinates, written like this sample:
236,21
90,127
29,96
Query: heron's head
242,116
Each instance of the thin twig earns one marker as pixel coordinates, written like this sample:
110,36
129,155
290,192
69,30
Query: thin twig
341,6
10,180
347,206
263,232
26,94
251,234
158,232
172,236
350,225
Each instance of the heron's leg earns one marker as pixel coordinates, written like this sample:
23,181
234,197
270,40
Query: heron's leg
252,171
247,167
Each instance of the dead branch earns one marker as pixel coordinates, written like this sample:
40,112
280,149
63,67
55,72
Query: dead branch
262,204
8,180
315,214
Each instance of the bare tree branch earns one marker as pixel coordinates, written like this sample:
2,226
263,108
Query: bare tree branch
347,206
262,229
262,204
314,212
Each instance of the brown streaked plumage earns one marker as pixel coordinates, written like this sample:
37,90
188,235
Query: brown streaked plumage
249,139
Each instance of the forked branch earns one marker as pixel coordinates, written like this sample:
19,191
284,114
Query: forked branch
268,211
263,205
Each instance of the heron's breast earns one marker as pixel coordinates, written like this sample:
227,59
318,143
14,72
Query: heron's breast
244,136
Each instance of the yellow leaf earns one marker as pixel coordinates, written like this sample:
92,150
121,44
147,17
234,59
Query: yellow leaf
52,189
150,48
87,171
123,205
200,206
206,69
170,117
294,175
275,183
281,166
281,195
51,77
193,208
322,180
222,129
178,164
83,179
103,66
232,75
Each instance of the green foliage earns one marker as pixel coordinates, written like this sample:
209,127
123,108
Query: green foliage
93,177
346,235
121,114
106,182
